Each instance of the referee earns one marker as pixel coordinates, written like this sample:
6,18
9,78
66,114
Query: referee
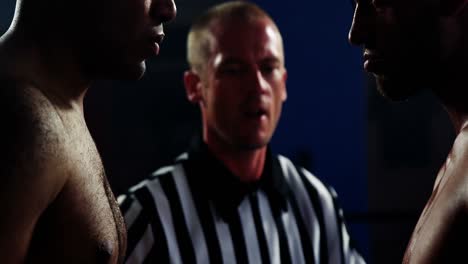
229,199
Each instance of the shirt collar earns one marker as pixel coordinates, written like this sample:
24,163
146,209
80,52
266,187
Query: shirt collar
215,182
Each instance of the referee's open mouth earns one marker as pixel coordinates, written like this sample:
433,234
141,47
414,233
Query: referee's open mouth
257,111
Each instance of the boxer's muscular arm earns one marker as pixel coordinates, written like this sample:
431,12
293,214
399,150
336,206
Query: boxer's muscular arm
29,170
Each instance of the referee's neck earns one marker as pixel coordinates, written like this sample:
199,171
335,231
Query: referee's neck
246,164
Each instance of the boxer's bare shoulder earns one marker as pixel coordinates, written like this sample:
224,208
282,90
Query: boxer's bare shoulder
57,204
441,232
29,183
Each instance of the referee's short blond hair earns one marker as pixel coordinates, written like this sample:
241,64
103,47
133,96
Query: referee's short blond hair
199,41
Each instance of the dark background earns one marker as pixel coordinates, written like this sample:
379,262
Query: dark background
381,157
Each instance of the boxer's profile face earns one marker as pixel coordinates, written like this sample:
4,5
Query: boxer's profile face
121,34
401,42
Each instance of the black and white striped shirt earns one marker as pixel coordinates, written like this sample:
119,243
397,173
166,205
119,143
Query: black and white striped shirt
196,211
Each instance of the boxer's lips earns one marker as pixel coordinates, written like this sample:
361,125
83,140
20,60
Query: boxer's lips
154,41
374,63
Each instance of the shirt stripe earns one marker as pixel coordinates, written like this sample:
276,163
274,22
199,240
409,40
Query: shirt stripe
294,241
270,229
143,247
285,253
315,199
306,210
191,215
250,234
208,225
165,215
150,211
262,242
182,232
132,212
238,239
225,239
330,220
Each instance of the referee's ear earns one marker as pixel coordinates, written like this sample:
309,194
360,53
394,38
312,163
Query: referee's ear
193,86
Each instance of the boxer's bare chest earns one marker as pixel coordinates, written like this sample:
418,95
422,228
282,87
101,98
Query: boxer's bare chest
441,231
83,224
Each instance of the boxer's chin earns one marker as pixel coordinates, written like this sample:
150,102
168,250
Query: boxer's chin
126,72
129,71
397,88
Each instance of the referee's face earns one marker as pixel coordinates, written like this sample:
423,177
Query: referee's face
244,85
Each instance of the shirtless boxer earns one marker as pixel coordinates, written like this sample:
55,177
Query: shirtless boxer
415,45
57,206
